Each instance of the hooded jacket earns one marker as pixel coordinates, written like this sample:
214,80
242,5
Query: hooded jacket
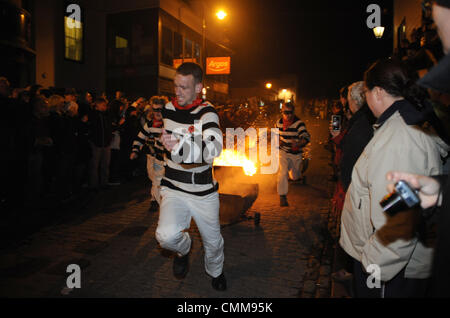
367,233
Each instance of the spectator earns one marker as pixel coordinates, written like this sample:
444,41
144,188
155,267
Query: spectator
100,126
7,140
129,131
56,106
70,95
431,192
41,145
351,144
116,107
401,140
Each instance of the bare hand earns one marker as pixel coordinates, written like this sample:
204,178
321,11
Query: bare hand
428,187
334,133
133,155
168,140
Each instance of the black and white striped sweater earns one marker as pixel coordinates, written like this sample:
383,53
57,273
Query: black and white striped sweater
197,128
150,135
293,133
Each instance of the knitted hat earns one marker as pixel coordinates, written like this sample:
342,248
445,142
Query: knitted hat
443,3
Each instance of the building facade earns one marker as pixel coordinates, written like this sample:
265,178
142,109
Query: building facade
107,45
416,40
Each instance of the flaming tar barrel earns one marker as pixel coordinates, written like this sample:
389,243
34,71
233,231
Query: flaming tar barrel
236,192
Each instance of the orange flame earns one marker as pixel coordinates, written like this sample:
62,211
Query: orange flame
232,158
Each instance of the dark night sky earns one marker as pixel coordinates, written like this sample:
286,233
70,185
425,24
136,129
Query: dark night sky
325,42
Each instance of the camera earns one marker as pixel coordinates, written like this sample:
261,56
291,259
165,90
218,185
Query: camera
336,122
402,198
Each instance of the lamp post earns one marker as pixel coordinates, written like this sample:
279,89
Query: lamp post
221,15
378,31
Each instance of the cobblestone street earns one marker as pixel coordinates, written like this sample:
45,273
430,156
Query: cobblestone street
287,255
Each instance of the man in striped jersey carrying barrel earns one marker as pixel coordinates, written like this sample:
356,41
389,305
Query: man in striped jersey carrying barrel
149,136
192,138
293,137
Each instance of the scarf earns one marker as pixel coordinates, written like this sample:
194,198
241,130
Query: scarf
195,103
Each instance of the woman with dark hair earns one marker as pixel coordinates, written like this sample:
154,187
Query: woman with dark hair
387,247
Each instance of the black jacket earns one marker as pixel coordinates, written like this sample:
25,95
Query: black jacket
359,133
100,128
439,79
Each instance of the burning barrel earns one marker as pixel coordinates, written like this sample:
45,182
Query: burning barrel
237,190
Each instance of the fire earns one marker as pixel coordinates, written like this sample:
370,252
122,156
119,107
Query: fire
232,158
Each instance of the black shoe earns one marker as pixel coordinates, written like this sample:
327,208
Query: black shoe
219,283
181,265
154,206
283,201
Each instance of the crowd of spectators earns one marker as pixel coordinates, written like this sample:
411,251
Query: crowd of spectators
58,143
390,123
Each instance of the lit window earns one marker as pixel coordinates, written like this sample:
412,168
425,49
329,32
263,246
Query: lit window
121,43
73,31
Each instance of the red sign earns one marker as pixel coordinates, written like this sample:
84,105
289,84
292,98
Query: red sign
218,65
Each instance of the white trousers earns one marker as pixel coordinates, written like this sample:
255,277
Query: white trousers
155,173
176,211
290,167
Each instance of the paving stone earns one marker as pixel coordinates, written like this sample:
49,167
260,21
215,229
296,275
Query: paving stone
134,231
91,247
61,268
309,287
325,270
120,257
109,228
27,267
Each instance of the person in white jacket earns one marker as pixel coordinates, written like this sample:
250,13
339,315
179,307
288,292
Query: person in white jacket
386,250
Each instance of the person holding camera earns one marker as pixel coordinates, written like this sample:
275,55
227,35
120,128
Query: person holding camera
384,247
434,192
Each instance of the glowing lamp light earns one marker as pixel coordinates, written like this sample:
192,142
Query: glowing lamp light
378,31
269,85
221,15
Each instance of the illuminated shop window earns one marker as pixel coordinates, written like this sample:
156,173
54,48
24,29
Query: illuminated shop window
121,43
73,31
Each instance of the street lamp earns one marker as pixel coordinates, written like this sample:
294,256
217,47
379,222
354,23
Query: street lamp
269,85
221,14
378,31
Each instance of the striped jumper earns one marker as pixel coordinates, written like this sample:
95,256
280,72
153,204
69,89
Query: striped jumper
197,128
149,135
294,132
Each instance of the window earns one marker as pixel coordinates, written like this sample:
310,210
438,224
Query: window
167,46
73,31
177,46
143,44
121,43
197,54
118,48
187,49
